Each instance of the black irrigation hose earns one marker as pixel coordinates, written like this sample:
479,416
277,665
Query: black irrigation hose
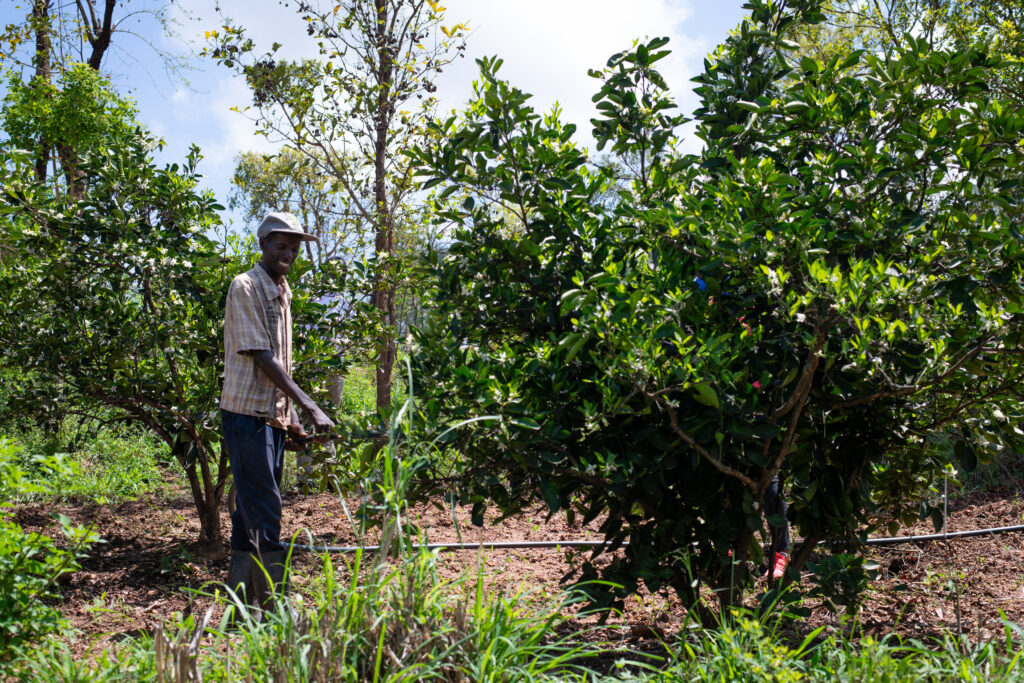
944,536
450,547
513,545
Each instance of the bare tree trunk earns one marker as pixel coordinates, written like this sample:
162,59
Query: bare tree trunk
383,291
44,50
207,497
99,36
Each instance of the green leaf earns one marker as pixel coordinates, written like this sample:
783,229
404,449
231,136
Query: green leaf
810,64
705,395
550,494
525,423
966,455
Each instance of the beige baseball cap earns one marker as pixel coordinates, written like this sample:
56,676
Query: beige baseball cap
279,221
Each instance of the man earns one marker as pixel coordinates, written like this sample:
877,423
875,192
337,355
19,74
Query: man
775,506
258,406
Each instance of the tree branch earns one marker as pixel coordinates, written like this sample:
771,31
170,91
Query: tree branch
795,406
704,453
906,390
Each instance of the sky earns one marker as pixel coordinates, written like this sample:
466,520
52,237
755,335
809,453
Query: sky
547,47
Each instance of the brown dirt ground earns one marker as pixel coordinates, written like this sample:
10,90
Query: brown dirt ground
145,571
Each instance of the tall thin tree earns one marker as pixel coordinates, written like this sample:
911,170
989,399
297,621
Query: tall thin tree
354,112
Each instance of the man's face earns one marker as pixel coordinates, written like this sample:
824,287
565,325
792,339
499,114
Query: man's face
279,252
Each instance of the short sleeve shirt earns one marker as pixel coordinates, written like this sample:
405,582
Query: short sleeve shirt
257,317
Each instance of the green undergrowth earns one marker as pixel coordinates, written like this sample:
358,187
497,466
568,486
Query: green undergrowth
749,650
31,564
390,616
404,624
359,396
96,464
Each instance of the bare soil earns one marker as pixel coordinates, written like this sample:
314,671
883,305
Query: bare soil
145,569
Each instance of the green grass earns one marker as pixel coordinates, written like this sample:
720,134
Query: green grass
102,465
359,397
402,623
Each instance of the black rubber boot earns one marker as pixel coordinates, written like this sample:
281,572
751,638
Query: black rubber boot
271,581
240,580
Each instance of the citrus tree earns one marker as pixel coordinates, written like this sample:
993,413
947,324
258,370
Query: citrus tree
830,291
116,300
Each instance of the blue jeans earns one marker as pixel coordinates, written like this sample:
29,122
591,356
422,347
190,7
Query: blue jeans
775,504
256,451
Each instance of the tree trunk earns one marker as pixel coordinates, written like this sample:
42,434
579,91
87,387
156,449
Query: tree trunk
210,543
99,37
44,51
383,289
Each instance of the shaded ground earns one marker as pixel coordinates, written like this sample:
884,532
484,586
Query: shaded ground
145,572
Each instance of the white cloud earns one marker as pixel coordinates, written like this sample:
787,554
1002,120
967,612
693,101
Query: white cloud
232,132
549,45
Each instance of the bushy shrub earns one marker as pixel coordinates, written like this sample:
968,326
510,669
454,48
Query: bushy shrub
830,285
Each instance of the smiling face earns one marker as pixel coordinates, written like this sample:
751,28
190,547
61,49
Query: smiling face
279,252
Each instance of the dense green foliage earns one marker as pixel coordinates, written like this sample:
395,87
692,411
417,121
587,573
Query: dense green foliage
879,27
117,300
78,116
30,565
831,289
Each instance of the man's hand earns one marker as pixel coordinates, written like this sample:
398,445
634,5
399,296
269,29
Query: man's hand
319,419
295,429
266,362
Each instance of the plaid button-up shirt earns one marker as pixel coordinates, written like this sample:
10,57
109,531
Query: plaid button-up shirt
257,317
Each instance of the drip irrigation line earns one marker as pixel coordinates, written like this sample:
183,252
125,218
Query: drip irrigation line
450,547
528,545
946,535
